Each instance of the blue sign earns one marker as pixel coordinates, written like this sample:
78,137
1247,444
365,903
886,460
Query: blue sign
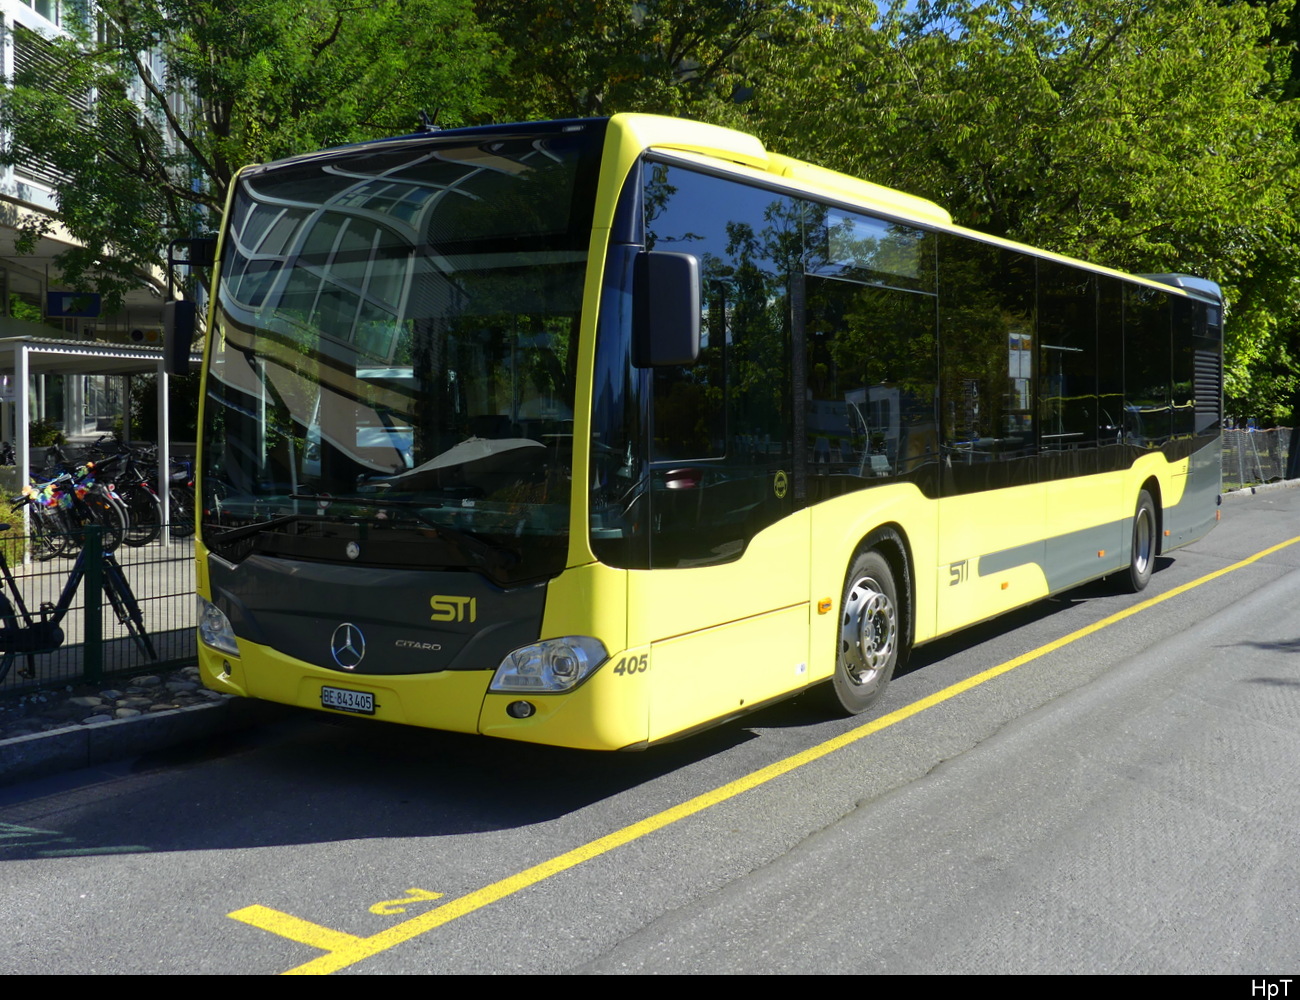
71,305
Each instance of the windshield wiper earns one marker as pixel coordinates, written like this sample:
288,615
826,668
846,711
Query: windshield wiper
248,530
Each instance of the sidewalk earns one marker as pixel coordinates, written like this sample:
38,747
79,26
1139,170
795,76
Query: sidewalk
66,723
51,731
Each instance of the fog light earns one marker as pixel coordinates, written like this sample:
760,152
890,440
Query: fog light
519,710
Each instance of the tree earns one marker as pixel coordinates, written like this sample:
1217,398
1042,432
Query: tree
148,109
577,58
1148,137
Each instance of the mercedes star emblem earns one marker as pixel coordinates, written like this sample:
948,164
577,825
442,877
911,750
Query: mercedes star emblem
348,646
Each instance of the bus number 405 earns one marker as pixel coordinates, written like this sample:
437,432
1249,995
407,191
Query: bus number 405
632,664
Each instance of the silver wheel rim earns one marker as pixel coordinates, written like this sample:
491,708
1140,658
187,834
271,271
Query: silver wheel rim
1142,541
868,631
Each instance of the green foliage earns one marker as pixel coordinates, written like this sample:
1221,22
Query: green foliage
1151,137
186,93
1148,137
574,58
44,433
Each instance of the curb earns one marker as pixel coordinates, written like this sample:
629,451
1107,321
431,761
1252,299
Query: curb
24,758
1246,491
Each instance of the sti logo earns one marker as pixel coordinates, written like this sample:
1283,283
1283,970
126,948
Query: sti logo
449,608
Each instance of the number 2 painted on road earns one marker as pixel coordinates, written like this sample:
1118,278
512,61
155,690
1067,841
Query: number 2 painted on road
391,906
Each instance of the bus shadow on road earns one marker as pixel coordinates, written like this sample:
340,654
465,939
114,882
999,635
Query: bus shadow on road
311,778
315,779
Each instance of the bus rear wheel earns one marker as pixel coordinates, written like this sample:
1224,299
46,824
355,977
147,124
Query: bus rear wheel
1143,557
868,640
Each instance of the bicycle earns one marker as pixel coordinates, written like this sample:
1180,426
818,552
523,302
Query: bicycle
64,504
34,636
140,494
133,487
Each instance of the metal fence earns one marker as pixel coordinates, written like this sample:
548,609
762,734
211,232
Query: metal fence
161,576
1253,457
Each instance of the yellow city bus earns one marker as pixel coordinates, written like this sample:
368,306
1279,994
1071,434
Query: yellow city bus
595,433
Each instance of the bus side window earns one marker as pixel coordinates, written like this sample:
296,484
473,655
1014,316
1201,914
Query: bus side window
1068,424
1148,407
987,328
869,413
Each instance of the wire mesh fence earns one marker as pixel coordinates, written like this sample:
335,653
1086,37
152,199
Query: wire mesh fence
1252,457
160,577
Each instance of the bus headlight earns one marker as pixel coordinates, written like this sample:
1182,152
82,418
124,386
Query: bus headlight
550,666
214,628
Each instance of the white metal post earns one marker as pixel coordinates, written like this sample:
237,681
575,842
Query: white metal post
22,439
164,452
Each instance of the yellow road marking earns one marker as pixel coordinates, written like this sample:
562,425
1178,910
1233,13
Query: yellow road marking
294,928
347,949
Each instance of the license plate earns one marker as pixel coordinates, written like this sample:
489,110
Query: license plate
343,700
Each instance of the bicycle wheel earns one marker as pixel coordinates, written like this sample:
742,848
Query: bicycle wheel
101,509
144,514
181,515
51,534
126,607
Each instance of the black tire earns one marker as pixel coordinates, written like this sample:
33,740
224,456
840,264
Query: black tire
869,636
144,514
1142,556
50,536
99,508
181,519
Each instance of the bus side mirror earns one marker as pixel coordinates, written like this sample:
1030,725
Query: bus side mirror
666,309
178,334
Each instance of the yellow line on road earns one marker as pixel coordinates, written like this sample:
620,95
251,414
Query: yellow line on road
295,928
345,949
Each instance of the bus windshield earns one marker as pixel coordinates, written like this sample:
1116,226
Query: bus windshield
394,345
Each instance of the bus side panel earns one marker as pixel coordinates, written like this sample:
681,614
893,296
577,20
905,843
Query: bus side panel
724,671
771,574
990,554
838,528
1195,511
726,651
1091,529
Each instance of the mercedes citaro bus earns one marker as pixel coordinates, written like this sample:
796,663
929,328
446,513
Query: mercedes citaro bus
593,433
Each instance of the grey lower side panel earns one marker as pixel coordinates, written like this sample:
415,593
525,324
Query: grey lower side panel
1195,513
1071,559
1066,560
